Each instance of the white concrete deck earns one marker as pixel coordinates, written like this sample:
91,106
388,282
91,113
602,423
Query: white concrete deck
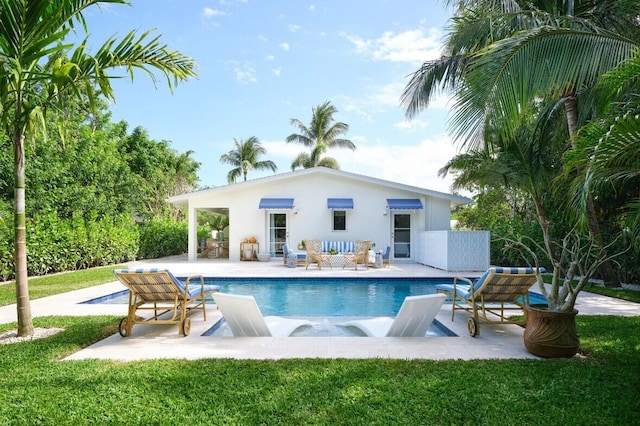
152,342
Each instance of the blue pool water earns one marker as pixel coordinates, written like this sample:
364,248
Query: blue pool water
326,300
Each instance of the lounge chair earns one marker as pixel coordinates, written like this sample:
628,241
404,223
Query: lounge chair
245,319
496,291
315,255
169,298
301,258
360,254
414,318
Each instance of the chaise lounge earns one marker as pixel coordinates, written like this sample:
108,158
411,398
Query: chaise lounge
169,298
496,291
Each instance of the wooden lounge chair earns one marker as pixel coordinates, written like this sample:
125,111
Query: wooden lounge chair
245,319
496,291
315,255
360,254
414,318
168,297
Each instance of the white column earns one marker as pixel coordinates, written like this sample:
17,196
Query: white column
193,233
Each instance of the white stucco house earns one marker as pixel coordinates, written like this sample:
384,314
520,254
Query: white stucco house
325,204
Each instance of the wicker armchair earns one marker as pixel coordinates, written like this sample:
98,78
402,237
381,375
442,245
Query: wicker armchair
360,254
314,254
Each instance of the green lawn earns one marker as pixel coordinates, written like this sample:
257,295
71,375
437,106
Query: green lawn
59,283
37,388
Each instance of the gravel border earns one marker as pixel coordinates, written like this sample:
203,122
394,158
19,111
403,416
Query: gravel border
38,333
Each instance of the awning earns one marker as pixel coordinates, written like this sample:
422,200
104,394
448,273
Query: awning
276,203
340,203
404,204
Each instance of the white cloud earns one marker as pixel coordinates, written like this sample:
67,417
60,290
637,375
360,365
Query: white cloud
276,71
294,28
209,12
245,74
411,126
285,46
408,46
415,165
269,58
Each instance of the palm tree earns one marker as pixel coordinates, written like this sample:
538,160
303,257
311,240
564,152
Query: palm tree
504,56
245,158
321,135
39,69
609,149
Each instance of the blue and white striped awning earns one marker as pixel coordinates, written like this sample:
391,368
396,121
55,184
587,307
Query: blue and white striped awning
340,203
404,204
276,203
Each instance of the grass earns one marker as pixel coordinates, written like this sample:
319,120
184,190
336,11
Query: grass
50,285
38,388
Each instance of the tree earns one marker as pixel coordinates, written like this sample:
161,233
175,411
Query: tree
39,69
246,157
609,148
321,135
160,172
490,66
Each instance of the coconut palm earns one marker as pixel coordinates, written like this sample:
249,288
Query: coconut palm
245,158
40,68
504,56
609,149
321,135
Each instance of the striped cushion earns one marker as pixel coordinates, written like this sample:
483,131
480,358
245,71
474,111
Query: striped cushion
503,290
339,246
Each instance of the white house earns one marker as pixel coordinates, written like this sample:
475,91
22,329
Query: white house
326,204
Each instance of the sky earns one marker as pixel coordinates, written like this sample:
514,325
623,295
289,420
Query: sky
263,62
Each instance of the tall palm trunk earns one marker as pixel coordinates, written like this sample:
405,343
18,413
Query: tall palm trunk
25,321
606,270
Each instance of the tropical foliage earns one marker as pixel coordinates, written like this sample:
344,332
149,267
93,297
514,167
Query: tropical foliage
321,135
40,70
532,67
245,157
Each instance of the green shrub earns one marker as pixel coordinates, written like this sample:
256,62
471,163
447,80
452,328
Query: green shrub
57,245
160,238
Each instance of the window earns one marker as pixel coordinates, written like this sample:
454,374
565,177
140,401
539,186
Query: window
339,220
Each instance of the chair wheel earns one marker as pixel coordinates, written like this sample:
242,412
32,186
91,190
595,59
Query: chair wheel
124,328
185,327
472,327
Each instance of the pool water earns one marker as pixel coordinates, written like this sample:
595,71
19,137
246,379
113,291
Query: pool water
324,301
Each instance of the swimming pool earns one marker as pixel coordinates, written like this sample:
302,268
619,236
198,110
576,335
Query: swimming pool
325,301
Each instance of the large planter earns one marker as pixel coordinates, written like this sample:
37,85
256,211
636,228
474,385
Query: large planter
551,334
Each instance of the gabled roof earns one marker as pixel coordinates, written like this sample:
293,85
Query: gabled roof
184,198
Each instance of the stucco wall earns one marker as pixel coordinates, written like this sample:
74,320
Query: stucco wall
310,218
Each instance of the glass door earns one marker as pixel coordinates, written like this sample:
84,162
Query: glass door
401,236
278,232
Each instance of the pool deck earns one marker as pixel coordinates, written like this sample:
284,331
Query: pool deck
160,341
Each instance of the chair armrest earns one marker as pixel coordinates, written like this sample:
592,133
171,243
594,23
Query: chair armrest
192,277
466,280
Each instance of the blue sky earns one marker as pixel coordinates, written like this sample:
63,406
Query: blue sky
263,62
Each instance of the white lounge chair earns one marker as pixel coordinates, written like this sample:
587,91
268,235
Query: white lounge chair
414,318
245,319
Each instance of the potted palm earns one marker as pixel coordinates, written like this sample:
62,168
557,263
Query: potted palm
551,330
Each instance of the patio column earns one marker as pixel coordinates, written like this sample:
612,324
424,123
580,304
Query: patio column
193,234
